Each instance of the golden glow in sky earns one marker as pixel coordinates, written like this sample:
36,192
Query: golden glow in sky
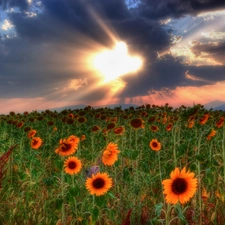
116,62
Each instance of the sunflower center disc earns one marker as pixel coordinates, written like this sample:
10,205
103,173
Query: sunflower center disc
179,186
98,183
72,165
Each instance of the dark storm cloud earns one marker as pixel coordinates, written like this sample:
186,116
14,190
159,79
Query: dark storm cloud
161,9
214,50
209,73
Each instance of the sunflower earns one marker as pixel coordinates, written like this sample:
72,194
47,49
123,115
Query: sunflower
212,133
191,124
66,148
110,126
220,122
169,126
81,119
26,129
154,128
119,130
50,123
181,187
19,125
83,137
74,139
155,145
99,184
95,129
31,133
36,143
72,165
204,119
109,156
137,123
70,120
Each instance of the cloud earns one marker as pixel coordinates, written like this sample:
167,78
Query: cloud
214,50
214,35
7,25
21,4
162,9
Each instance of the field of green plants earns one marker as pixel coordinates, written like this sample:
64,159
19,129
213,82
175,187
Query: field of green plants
137,150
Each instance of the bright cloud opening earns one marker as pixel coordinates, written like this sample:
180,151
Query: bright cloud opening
117,62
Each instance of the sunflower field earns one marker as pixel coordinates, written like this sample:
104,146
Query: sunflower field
139,166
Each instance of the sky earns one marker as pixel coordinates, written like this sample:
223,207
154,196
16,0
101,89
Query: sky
47,49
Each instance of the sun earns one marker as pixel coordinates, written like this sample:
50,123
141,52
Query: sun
116,62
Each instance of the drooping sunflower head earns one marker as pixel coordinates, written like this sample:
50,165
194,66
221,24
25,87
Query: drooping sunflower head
110,154
66,148
19,125
180,187
74,139
169,126
95,129
72,165
36,142
31,133
155,145
98,184
220,122
204,119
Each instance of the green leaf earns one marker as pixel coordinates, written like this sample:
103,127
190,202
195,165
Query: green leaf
95,213
111,195
158,209
180,215
100,201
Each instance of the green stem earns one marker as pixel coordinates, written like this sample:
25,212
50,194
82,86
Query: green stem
160,174
62,192
199,181
174,146
223,148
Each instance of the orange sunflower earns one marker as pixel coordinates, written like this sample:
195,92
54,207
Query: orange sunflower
72,165
31,133
169,126
155,145
67,147
181,187
99,184
204,119
74,139
119,130
154,128
36,142
220,122
110,154
212,134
